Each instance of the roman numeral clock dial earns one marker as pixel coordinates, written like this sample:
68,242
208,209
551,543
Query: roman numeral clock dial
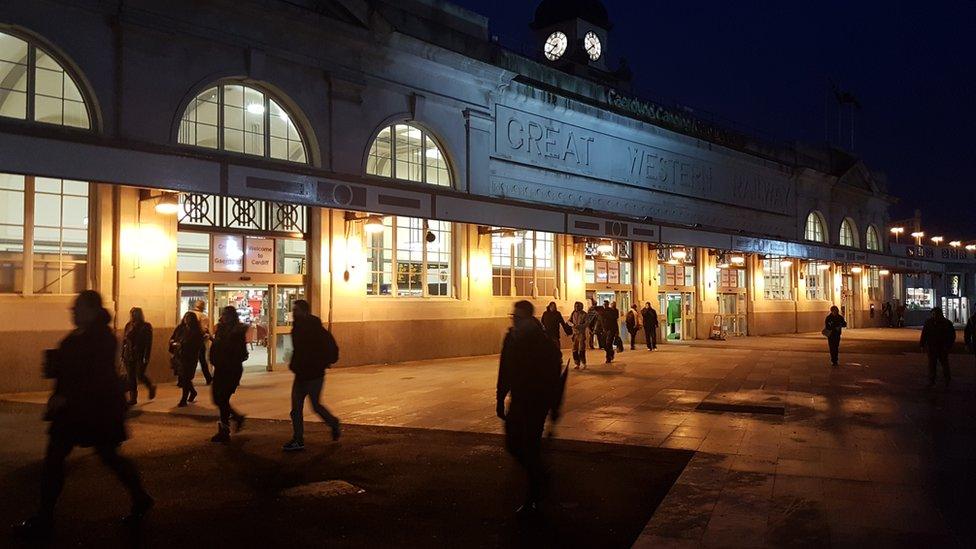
591,43
555,46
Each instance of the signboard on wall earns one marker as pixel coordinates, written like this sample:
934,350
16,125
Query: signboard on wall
227,253
259,255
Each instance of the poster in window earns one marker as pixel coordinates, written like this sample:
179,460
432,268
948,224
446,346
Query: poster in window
613,272
601,271
227,254
259,255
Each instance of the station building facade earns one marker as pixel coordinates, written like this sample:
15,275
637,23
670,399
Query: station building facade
389,162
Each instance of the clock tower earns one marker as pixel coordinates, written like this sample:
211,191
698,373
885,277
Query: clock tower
572,35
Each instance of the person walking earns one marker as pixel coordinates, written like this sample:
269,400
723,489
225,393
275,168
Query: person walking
611,329
227,354
633,323
552,320
649,316
86,409
200,310
137,340
938,337
900,314
315,350
970,334
581,321
833,325
596,330
529,371
185,345
617,340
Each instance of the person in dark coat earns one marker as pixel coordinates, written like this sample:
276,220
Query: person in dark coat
649,316
315,350
833,325
552,321
185,345
200,311
87,409
611,329
136,349
227,355
617,340
633,323
938,337
529,370
970,334
596,329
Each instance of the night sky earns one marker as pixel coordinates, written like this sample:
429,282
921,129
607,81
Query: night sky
765,66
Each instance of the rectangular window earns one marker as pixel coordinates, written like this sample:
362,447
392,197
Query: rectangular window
874,284
525,266
403,260
731,278
777,280
56,242
817,279
919,298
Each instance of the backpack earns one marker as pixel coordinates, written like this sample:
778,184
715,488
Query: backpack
331,348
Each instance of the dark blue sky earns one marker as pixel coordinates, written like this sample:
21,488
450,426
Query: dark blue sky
765,64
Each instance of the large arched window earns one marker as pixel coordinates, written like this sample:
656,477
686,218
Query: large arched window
848,235
404,151
815,231
240,118
35,86
871,237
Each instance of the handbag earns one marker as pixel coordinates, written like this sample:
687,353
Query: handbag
826,332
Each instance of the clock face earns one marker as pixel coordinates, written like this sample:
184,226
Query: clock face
555,46
591,42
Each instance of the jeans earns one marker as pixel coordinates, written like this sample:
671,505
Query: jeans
203,364
833,342
311,388
135,371
633,336
609,339
650,336
936,357
579,346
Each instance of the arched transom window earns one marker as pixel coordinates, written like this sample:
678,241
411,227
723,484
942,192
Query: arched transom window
404,151
848,236
35,86
815,231
239,118
874,243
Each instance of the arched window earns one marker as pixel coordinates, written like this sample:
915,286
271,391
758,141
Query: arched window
240,118
848,236
874,243
35,86
404,151
815,231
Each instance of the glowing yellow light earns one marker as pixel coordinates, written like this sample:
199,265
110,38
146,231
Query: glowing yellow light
937,239
856,270
168,204
884,272
373,224
679,254
737,259
897,230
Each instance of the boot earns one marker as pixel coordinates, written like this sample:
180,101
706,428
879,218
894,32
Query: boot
152,392
223,433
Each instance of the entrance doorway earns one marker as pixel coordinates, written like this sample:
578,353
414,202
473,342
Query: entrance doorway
621,297
956,309
847,298
264,308
732,309
678,309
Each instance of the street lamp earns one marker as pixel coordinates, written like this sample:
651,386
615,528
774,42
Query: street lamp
955,243
897,231
971,247
937,239
918,235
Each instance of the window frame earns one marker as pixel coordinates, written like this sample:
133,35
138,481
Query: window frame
425,135
28,260
873,283
819,291
780,293
821,227
847,228
221,126
872,234
535,269
424,254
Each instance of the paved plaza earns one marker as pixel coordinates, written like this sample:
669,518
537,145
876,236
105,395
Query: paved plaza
788,451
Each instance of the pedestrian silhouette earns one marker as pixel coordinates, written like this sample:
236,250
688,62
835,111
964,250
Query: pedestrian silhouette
649,316
552,320
315,350
227,355
938,336
87,409
185,346
970,334
200,311
833,325
529,370
136,349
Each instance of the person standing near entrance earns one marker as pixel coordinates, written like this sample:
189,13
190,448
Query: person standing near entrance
649,316
970,334
938,337
200,310
833,325
617,341
87,409
528,369
633,322
611,329
315,350
185,345
581,321
597,330
552,320
136,348
227,354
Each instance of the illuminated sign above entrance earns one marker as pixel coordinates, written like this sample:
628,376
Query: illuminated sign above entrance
227,254
259,255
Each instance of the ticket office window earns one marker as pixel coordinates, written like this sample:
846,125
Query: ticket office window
678,275
602,271
874,284
410,257
919,298
523,266
776,278
731,279
817,281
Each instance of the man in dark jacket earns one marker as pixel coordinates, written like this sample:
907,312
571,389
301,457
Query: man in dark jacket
833,325
650,326
529,370
938,336
552,320
611,329
87,409
314,350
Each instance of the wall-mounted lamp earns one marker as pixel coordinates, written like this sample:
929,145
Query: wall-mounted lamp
373,224
823,266
737,259
786,263
937,239
955,243
679,254
169,204
884,272
509,237
971,247
856,270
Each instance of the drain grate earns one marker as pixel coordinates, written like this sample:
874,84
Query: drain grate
742,408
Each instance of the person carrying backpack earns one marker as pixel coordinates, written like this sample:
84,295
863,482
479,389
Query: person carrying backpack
315,350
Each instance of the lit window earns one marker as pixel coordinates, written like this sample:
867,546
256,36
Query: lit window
776,277
410,257
525,267
52,96
815,231
848,234
239,118
52,252
404,151
874,284
874,243
731,278
817,279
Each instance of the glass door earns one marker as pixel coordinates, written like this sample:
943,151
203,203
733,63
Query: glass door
253,304
285,297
